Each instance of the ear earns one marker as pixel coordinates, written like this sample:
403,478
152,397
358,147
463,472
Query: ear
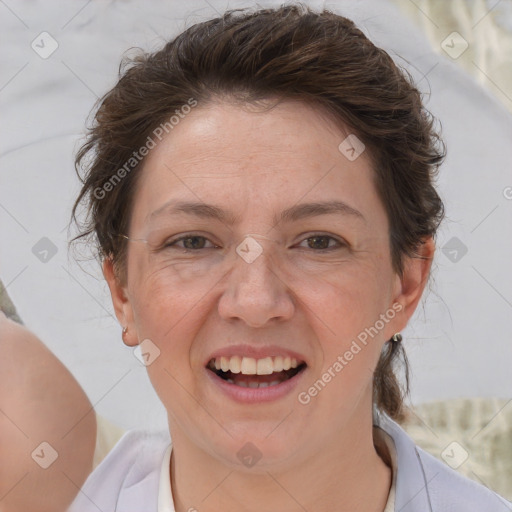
411,284
121,302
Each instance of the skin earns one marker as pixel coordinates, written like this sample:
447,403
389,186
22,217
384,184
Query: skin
40,401
318,456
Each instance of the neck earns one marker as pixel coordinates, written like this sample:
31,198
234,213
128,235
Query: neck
347,474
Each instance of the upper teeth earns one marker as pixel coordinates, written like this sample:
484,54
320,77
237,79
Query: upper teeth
251,366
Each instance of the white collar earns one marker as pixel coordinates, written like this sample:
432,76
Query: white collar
165,501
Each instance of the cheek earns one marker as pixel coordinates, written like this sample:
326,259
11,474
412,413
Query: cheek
347,307
348,297
160,295
163,311
170,318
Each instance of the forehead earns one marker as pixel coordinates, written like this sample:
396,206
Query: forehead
241,135
253,161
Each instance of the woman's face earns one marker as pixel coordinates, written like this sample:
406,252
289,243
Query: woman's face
271,279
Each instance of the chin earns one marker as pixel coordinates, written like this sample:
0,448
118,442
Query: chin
257,454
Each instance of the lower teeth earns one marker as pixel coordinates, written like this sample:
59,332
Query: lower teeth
254,384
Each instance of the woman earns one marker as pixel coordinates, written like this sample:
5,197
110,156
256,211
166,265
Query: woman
261,191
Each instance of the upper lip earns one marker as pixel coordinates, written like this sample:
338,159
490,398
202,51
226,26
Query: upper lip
259,352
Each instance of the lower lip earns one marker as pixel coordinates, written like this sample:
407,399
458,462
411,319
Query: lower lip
255,395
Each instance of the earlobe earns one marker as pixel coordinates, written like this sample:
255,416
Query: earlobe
121,302
416,271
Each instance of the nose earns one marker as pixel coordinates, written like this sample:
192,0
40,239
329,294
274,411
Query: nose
254,290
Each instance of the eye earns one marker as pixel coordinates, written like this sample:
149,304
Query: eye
191,242
322,242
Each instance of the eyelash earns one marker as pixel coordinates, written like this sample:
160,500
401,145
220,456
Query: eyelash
172,243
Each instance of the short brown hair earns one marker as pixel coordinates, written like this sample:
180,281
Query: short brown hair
292,53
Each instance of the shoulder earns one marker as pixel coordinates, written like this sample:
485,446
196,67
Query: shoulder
449,491
423,483
128,477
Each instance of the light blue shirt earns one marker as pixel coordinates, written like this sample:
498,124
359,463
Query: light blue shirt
134,477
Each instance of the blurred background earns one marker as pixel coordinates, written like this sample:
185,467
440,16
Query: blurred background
58,58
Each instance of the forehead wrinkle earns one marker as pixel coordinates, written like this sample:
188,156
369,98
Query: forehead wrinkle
291,214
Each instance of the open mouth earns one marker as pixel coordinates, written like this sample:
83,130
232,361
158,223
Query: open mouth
255,373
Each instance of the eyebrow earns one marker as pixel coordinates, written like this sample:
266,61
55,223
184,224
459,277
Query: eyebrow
292,214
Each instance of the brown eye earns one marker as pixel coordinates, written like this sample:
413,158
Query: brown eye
319,242
194,242
323,243
190,243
